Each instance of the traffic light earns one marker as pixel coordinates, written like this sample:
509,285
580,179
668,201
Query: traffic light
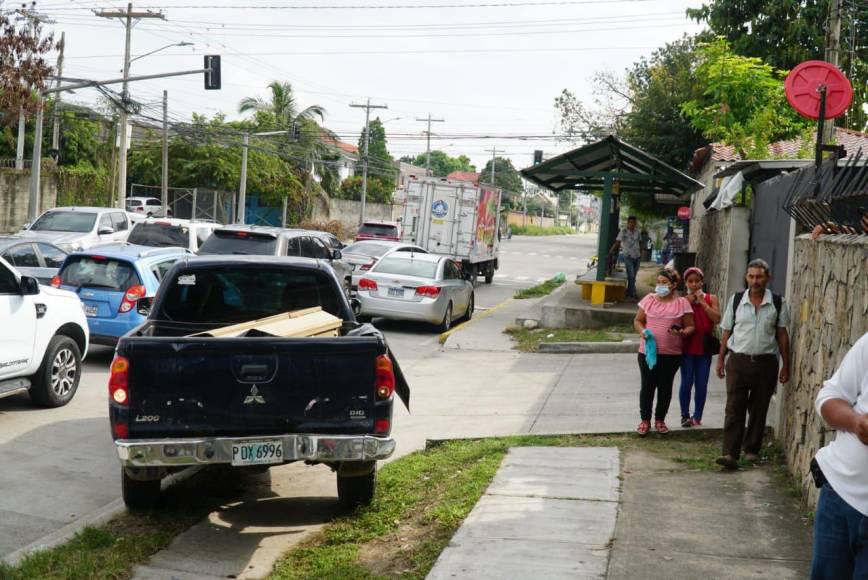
212,72
537,156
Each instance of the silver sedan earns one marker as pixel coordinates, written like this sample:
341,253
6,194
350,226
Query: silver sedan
420,287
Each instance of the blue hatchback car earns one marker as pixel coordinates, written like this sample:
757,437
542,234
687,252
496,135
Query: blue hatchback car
111,280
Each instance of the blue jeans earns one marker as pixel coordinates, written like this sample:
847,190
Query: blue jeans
632,266
695,370
840,540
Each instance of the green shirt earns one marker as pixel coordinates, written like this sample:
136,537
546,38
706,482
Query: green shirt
754,331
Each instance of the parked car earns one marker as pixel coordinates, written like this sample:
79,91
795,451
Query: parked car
116,284
79,228
379,231
329,239
147,206
413,286
167,232
43,339
272,241
363,255
39,260
178,400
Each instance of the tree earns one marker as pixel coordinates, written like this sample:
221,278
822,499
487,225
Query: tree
740,101
380,189
442,164
379,160
282,106
784,33
23,68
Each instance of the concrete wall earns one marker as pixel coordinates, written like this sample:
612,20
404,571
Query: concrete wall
697,209
348,211
517,218
829,312
15,197
723,253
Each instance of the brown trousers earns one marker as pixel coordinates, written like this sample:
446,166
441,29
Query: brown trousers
750,384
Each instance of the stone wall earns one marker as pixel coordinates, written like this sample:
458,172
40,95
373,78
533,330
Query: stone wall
348,211
829,312
723,253
15,197
517,218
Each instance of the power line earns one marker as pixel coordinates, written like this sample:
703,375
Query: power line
382,6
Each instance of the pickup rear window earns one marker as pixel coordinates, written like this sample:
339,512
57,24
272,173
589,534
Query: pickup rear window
160,235
379,230
229,294
243,242
98,272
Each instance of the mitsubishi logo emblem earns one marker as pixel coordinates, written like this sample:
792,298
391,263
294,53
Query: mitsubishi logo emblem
254,397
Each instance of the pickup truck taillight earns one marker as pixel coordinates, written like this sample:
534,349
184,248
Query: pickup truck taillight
55,281
367,284
119,381
428,291
131,296
385,378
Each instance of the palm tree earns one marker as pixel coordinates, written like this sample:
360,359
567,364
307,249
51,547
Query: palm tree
312,145
282,106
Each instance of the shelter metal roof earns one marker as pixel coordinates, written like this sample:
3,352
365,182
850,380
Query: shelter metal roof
635,172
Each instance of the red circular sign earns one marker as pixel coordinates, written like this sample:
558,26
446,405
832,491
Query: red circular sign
684,213
804,80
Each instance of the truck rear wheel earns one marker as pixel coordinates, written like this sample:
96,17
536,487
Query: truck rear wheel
56,381
357,490
489,272
139,495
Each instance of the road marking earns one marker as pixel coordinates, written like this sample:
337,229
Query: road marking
521,277
532,254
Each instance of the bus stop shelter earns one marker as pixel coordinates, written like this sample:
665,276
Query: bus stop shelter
610,167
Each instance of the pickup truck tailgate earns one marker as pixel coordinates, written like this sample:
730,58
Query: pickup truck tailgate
251,386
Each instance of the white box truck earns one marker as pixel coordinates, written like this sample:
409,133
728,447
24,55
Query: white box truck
456,219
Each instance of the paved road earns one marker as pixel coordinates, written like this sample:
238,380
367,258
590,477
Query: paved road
60,466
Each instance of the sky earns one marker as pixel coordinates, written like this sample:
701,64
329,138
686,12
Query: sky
490,68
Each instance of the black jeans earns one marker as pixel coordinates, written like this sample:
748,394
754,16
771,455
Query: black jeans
657,379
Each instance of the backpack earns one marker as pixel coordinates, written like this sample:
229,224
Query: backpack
776,300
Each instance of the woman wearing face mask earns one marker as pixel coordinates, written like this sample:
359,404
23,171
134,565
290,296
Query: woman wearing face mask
668,319
696,361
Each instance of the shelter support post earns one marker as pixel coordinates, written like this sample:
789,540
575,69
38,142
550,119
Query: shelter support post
605,228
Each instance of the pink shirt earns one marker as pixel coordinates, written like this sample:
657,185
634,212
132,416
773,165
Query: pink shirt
660,317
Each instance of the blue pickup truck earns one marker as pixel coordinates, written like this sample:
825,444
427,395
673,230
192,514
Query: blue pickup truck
254,401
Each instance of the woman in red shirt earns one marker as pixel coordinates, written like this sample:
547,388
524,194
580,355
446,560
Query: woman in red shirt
669,319
696,362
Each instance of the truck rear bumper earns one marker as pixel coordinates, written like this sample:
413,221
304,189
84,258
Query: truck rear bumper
218,450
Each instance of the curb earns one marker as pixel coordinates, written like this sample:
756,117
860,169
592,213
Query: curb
435,442
445,335
95,518
588,347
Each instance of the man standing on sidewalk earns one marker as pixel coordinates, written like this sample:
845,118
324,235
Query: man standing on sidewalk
754,333
841,469
628,240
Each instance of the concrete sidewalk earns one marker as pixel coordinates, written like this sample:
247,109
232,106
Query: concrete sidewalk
552,513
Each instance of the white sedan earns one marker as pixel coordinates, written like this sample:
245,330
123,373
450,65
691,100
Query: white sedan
420,287
362,256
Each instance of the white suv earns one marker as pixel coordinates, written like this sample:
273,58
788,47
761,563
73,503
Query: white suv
78,228
43,339
166,232
147,206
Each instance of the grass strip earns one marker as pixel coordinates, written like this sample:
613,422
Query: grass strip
528,340
424,497
533,230
542,289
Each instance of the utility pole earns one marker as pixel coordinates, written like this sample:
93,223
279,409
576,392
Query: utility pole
494,152
36,166
164,189
833,51
55,133
127,17
242,187
367,107
429,120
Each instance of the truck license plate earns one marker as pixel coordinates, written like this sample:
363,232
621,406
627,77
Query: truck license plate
257,452
90,310
396,292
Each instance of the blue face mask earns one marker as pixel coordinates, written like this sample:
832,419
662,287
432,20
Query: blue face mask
662,290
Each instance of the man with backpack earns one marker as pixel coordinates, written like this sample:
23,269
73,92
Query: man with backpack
754,334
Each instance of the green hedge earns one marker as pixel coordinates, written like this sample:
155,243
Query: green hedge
531,230
83,186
